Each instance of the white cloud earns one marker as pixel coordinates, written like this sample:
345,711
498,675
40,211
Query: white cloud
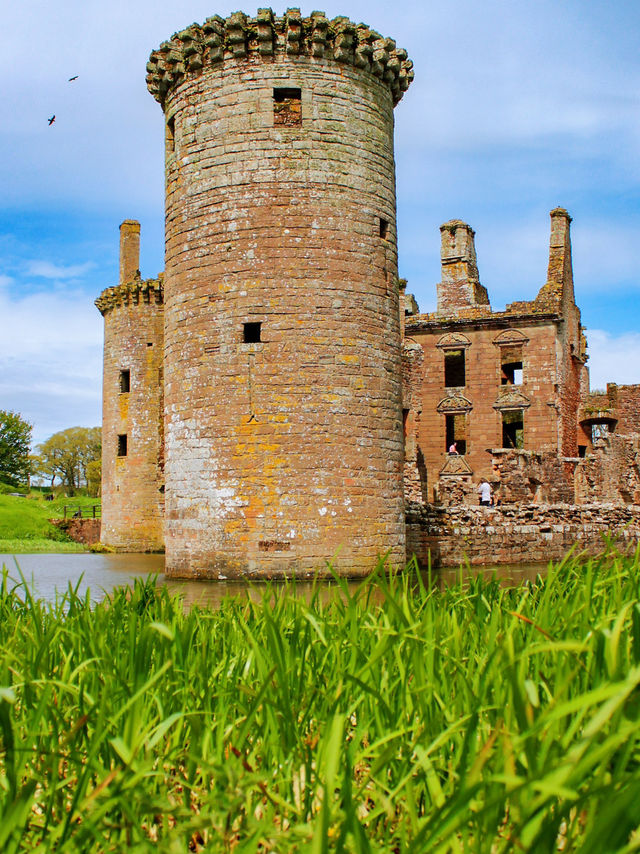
47,270
613,358
51,359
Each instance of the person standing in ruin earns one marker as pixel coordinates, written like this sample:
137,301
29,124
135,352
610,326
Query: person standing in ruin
484,491
453,448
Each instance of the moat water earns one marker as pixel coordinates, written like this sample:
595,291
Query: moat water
49,575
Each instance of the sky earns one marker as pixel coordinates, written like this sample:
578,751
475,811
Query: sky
517,107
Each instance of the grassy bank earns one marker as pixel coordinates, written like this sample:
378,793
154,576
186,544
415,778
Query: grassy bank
25,526
477,719
39,546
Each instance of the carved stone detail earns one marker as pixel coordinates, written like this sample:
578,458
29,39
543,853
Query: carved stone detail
453,403
510,338
453,340
511,399
454,466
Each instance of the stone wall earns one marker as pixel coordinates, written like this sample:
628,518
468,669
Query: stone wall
85,531
625,400
533,477
515,534
611,472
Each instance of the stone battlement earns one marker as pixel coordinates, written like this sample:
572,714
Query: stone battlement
131,293
190,51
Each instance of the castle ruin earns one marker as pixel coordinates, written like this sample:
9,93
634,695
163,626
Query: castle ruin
274,400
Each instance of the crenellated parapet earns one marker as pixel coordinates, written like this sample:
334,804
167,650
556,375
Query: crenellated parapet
135,292
194,49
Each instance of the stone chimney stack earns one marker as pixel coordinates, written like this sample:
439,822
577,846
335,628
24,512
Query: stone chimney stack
560,270
129,250
460,287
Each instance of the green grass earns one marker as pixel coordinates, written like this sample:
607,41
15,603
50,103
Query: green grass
39,546
396,718
24,521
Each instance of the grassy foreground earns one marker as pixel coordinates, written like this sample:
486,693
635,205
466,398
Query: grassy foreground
397,718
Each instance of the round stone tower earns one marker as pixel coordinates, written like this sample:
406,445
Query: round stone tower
283,420
132,409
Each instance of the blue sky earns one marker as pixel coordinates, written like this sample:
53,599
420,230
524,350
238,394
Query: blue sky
516,107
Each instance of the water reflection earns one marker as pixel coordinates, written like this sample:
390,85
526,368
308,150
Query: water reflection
50,575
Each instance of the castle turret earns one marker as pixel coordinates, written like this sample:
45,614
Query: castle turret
132,405
282,329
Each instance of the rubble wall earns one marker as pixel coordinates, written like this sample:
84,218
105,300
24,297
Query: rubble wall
486,536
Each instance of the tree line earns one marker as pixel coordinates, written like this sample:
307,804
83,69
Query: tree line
72,457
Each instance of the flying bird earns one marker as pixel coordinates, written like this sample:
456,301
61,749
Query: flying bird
73,78
52,119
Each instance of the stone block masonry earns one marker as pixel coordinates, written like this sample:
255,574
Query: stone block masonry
132,405
451,536
283,412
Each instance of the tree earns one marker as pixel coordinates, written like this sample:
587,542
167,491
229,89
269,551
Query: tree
15,438
94,477
67,454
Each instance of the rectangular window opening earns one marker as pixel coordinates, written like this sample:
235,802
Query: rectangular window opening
171,134
511,372
454,376
384,228
251,333
456,433
125,381
122,445
287,107
513,429
599,431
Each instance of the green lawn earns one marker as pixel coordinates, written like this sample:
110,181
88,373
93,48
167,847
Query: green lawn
24,525
396,718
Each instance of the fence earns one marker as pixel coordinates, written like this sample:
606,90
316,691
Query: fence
76,512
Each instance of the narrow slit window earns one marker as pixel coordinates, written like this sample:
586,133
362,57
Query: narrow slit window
287,107
456,433
122,445
252,333
384,228
125,381
511,366
513,429
454,374
171,134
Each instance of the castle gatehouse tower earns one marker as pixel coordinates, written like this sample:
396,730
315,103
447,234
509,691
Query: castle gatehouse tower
283,419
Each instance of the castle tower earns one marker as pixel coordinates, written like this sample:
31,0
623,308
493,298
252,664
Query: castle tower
282,336
132,408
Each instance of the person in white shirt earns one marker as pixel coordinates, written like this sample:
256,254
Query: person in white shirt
485,493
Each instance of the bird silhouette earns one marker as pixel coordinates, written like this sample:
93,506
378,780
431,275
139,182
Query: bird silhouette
73,78
52,119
